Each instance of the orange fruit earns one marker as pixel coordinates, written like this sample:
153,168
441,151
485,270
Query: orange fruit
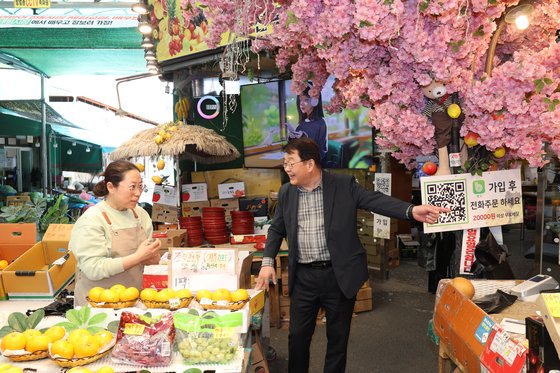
13,341
86,346
239,294
103,337
183,293
109,295
95,293
118,288
162,296
77,334
37,343
463,286
499,152
148,294
31,333
203,293
63,348
3,264
221,294
55,333
130,293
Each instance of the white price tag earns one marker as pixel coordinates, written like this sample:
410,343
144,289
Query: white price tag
455,159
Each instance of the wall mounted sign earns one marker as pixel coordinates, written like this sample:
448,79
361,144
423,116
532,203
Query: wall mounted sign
208,107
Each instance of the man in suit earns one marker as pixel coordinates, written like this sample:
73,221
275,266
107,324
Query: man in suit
327,265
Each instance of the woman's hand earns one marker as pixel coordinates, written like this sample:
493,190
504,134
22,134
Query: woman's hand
146,253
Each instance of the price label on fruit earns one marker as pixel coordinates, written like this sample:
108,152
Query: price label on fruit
133,329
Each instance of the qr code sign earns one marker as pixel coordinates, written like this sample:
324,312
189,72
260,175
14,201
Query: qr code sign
383,185
451,195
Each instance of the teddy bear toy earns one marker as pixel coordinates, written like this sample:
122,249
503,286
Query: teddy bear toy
437,101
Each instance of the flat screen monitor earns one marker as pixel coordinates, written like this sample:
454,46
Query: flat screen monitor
349,136
349,142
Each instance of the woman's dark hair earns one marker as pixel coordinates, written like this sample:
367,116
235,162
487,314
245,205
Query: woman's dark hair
317,110
114,173
306,148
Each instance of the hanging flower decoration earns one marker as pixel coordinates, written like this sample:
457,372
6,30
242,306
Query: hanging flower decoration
381,51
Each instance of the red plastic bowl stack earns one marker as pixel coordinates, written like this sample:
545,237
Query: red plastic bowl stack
193,225
242,222
214,225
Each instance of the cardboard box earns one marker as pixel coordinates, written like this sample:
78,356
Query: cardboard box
229,204
171,238
259,363
165,195
257,205
43,271
193,208
16,239
155,276
17,200
363,305
231,190
194,192
164,213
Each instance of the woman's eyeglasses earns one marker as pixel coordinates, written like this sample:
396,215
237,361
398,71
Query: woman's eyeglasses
133,187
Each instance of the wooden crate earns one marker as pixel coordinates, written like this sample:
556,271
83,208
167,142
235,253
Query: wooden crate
258,181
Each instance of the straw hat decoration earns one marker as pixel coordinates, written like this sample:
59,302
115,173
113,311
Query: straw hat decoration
199,144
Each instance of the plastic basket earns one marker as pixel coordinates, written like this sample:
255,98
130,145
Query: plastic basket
114,305
183,303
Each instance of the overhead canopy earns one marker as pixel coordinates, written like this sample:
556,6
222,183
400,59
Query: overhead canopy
59,51
23,117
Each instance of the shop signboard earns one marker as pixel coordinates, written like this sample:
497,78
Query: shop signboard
475,201
179,34
67,21
32,4
382,224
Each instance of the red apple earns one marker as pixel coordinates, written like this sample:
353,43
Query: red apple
429,168
471,139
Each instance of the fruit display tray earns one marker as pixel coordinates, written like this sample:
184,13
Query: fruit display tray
183,303
177,365
113,305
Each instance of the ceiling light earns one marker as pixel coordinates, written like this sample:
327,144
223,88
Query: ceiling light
88,149
74,143
150,56
141,7
144,25
69,152
520,16
55,145
147,42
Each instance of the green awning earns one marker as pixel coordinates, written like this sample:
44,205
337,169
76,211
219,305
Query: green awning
91,51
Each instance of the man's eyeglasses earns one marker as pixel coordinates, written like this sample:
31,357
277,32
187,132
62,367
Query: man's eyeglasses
291,164
133,187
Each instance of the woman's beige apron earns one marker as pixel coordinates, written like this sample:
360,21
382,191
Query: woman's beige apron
123,243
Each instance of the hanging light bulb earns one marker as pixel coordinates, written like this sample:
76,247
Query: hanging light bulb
149,55
74,143
520,16
147,42
88,149
55,145
140,7
69,152
144,26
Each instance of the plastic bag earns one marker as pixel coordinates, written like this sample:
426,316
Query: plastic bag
209,338
496,302
144,339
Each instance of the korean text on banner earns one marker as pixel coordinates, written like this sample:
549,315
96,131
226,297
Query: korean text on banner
475,201
382,224
470,239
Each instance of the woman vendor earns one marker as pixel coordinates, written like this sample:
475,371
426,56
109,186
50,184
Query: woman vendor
112,240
